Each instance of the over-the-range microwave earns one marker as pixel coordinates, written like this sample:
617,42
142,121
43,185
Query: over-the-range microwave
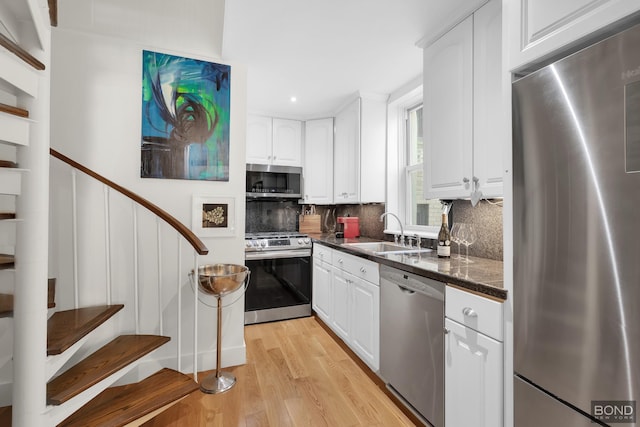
271,181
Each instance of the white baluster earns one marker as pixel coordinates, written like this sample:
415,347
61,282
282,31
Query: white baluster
159,275
74,234
195,318
179,341
136,286
107,241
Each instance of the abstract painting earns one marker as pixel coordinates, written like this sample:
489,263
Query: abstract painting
185,118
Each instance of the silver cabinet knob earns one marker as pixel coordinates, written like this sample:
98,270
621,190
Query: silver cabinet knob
469,312
363,270
476,179
465,180
446,331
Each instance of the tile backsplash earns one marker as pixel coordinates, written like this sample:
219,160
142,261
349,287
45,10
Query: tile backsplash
486,218
283,216
369,214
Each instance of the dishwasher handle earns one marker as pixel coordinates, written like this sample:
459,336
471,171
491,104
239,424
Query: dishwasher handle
406,290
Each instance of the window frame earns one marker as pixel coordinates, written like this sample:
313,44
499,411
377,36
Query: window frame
398,169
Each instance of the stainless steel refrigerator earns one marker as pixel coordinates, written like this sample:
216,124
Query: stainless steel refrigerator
576,148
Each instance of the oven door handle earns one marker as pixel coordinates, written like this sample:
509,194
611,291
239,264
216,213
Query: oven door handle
297,253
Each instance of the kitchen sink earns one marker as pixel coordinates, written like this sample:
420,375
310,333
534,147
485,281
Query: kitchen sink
382,248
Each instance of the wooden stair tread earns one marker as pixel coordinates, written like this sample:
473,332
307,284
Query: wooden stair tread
6,301
16,111
8,164
20,52
65,328
109,359
51,293
7,215
119,406
6,261
6,305
5,415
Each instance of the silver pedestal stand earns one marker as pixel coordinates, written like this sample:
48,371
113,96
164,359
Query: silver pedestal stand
219,280
220,381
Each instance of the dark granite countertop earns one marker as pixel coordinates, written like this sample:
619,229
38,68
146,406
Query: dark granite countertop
484,276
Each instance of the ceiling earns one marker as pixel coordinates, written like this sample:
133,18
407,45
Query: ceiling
323,52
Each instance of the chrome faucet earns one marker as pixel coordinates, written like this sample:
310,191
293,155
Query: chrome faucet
399,222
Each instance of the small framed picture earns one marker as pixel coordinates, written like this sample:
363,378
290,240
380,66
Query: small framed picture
213,216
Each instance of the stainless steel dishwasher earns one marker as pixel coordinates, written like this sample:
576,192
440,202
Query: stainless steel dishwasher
412,340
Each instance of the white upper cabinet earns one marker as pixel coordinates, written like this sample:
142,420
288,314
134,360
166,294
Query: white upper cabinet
287,142
462,109
259,137
538,29
359,152
346,154
447,109
318,161
487,100
274,141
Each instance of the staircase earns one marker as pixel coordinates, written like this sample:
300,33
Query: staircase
70,381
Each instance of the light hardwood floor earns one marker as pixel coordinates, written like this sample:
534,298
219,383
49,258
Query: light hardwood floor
296,375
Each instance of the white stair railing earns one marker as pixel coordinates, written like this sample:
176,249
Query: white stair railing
141,273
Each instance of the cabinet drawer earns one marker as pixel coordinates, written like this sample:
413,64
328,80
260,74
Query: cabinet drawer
322,253
481,314
359,267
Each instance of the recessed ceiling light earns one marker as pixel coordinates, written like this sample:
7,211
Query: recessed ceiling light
294,99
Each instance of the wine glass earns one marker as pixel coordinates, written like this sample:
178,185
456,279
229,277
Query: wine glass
470,236
455,236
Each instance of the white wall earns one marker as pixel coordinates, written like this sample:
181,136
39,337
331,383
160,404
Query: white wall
96,120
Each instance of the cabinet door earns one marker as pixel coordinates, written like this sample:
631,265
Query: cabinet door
340,303
259,134
346,154
487,99
448,71
543,27
365,322
318,161
322,290
473,378
287,142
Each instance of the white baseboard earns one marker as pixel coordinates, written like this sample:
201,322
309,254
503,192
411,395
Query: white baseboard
233,356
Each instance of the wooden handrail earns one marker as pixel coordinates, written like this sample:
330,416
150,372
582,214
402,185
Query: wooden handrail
9,109
53,12
195,242
20,52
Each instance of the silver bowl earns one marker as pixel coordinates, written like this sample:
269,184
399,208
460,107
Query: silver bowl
221,279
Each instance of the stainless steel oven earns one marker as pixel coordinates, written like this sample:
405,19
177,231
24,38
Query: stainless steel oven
280,283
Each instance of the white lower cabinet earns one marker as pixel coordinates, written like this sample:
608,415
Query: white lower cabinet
473,378
473,360
321,291
365,327
352,290
340,303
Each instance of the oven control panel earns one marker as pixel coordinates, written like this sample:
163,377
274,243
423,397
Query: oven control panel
259,244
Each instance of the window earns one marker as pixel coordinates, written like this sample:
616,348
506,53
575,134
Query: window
419,212
405,157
